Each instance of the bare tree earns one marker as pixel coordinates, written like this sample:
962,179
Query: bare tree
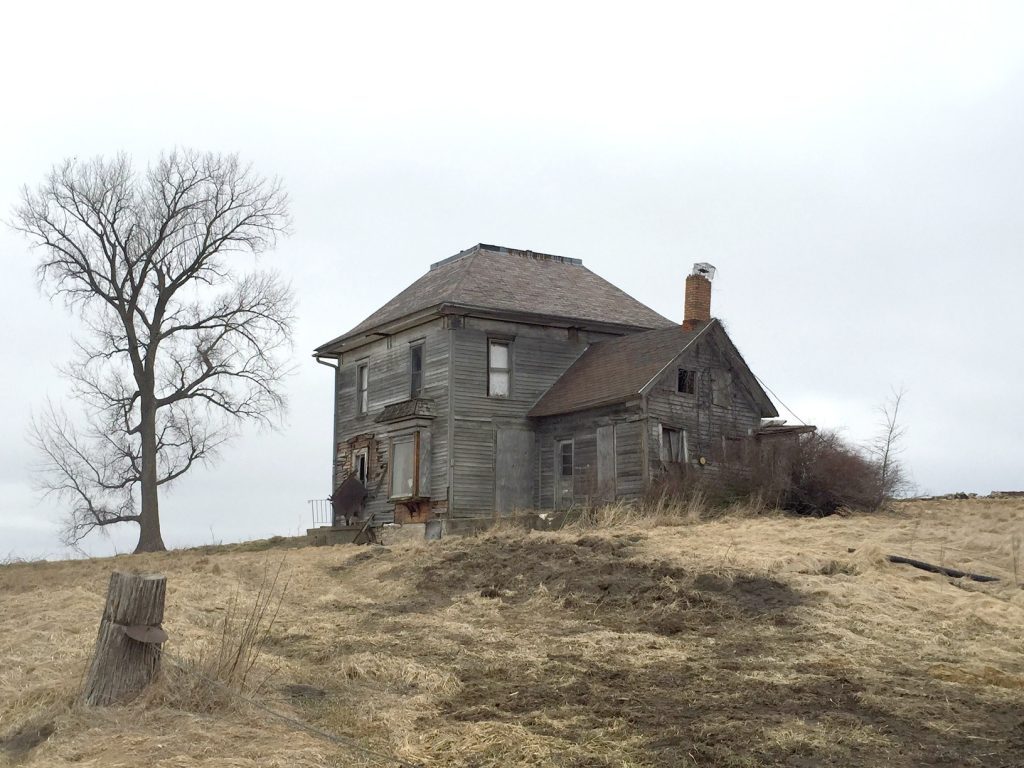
887,446
180,343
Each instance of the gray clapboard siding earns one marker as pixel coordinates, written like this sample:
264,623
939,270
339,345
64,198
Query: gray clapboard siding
629,477
539,356
474,468
389,382
583,428
704,421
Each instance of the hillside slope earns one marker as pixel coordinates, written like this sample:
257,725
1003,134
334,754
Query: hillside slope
747,641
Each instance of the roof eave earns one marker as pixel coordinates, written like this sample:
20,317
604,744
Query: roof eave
354,339
585,407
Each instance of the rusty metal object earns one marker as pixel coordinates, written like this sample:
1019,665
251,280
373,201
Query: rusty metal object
146,634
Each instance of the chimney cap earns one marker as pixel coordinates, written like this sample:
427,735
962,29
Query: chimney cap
703,269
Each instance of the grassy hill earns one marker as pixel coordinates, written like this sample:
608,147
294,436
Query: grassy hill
743,641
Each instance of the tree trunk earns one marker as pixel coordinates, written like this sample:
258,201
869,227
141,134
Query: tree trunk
150,539
122,666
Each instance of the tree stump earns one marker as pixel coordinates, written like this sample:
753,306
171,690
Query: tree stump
127,656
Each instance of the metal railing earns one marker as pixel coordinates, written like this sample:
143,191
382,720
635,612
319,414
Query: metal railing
322,511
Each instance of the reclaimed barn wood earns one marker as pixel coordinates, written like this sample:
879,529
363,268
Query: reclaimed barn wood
127,655
507,379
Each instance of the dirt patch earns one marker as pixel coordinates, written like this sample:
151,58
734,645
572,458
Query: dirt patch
17,744
686,716
597,577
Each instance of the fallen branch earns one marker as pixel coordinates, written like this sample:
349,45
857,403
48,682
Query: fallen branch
941,569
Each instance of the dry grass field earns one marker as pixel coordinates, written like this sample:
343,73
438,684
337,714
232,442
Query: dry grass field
751,640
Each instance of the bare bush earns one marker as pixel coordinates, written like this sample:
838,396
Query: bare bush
228,664
828,474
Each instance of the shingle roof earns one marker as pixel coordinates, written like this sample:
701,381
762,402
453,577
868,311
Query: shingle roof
490,277
615,370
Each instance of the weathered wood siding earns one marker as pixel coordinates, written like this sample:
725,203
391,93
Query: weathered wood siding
389,382
626,428
539,356
705,422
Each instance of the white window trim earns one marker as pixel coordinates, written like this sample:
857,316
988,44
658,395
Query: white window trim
508,344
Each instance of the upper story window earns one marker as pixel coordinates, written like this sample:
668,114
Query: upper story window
499,368
687,382
362,387
722,388
415,369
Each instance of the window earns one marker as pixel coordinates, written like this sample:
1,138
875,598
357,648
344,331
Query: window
722,388
415,369
687,382
565,458
403,467
499,368
674,445
362,385
360,461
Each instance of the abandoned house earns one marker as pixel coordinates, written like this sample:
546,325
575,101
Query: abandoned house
506,380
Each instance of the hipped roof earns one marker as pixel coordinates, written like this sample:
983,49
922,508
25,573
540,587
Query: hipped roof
489,277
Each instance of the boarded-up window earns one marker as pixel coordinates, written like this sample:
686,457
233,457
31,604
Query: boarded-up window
499,368
722,392
734,450
362,387
415,369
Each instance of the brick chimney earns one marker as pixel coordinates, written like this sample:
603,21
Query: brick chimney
698,295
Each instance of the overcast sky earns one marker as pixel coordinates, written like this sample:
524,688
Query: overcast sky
856,174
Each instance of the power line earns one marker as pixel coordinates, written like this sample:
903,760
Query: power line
779,399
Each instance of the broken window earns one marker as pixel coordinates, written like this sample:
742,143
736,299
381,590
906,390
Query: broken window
499,368
415,369
362,387
674,445
360,464
687,382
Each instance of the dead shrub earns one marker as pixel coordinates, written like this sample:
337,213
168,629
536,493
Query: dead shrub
227,664
829,474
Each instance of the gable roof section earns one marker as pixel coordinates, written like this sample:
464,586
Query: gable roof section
488,277
618,370
615,370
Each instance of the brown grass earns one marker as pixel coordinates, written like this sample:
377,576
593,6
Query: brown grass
629,640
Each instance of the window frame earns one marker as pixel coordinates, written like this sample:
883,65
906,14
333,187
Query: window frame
414,438
686,381
681,453
493,341
564,443
416,388
362,387
364,454
721,389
